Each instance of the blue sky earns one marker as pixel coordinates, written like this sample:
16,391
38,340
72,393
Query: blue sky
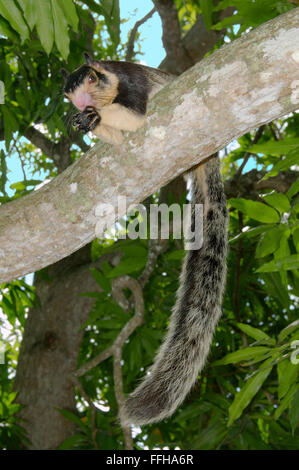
151,32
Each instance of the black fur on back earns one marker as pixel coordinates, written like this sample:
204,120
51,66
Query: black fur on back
133,86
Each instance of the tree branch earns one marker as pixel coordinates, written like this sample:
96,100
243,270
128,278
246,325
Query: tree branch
116,349
197,42
245,84
252,183
130,47
171,36
38,139
60,151
247,155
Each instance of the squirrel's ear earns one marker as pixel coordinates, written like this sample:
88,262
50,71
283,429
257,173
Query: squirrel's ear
89,60
64,74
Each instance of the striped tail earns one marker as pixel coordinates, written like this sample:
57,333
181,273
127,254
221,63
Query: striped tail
196,312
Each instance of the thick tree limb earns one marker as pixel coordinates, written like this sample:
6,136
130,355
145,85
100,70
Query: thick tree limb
60,151
196,43
177,55
240,87
38,139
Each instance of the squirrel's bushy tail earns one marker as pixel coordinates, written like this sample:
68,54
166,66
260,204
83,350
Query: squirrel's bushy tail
196,312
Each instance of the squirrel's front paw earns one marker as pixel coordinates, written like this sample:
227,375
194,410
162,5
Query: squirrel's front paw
87,120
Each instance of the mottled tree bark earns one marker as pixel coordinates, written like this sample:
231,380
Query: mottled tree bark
49,350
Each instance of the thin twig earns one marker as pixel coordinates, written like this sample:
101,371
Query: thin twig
247,155
94,362
131,42
15,146
116,349
156,247
275,131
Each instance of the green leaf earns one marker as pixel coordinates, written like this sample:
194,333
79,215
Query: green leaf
209,438
192,411
12,14
6,30
8,309
294,189
282,253
279,201
21,185
294,411
252,386
70,13
110,324
29,11
243,355
285,264
295,236
286,401
149,340
134,250
3,169
255,210
275,287
279,147
10,124
252,232
76,440
93,6
110,10
72,417
288,330
287,375
283,165
102,280
207,10
127,265
44,24
176,255
255,333
268,243
62,39
228,21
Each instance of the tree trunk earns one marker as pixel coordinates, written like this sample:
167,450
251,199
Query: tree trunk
50,347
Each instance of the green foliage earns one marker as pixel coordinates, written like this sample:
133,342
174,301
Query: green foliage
255,210
15,300
247,397
244,14
50,18
251,13
277,353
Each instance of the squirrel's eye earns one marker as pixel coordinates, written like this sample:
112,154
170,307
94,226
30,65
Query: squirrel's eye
91,79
